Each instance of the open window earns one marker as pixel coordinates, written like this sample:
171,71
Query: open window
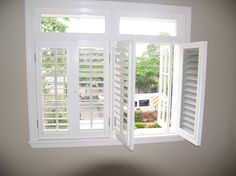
180,101
79,96
124,89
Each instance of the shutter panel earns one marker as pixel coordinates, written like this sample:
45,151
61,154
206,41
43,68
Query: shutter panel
91,88
165,80
124,89
192,71
92,71
53,89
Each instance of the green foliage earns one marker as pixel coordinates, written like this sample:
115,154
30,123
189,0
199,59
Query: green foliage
140,124
147,70
138,116
146,125
156,125
164,34
51,24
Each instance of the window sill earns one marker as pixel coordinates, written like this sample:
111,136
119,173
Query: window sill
62,143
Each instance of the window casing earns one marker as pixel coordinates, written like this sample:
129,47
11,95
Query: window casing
73,42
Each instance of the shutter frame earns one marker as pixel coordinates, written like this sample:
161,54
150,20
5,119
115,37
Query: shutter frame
164,102
126,139
178,106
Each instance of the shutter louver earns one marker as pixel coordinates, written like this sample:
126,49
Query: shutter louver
91,88
190,63
189,90
124,88
54,89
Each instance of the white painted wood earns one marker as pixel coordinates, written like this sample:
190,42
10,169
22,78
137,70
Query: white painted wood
105,46
111,11
43,134
124,126
164,112
189,102
111,141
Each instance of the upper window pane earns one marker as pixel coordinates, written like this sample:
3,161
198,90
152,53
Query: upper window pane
72,23
147,26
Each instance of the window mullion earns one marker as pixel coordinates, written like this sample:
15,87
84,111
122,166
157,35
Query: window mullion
73,103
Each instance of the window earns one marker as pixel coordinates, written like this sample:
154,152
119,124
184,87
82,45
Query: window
84,60
143,102
73,23
147,26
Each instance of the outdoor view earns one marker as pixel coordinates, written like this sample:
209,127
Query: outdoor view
147,77
147,85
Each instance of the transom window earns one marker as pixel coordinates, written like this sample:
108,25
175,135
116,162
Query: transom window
69,23
110,72
147,26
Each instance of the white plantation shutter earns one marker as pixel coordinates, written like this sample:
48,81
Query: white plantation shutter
124,89
93,88
72,89
165,80
53,89
190,60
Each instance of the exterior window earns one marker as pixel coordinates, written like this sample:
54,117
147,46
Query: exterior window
84,59
147,26
143,103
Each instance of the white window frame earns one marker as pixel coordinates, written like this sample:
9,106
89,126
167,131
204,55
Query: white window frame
111,11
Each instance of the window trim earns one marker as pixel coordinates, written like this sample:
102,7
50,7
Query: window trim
110,141
183,24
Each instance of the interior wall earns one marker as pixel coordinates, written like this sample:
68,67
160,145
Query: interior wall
213,21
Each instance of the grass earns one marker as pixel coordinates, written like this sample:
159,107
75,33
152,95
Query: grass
146,125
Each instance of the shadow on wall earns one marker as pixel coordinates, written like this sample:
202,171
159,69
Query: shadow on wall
112,169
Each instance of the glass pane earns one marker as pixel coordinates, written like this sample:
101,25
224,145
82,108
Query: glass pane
72,23
147,26
54,89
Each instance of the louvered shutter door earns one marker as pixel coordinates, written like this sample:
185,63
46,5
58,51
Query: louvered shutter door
192,69
124,89
53,89
91,88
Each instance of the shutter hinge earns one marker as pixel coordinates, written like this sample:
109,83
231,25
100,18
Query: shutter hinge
109,57
35,57
109,122
37,124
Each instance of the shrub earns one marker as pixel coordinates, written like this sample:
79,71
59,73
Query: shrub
156,125
138,116
140,124
149,116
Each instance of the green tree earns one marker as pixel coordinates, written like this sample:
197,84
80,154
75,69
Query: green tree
147,70
52,24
